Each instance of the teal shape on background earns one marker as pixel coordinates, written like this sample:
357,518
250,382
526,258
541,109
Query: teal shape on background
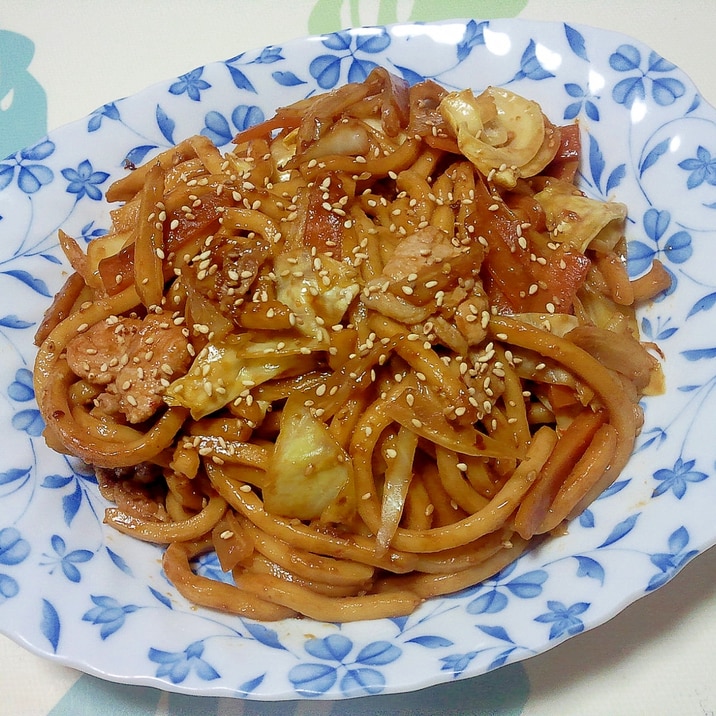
503,692
23,102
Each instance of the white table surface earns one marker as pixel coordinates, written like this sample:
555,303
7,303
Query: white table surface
656,657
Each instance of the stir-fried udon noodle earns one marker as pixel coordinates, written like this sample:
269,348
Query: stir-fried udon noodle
368,356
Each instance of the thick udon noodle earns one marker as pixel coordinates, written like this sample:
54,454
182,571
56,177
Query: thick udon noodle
368,356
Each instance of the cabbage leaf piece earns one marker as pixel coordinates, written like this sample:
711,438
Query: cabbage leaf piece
558,324
504,135
309,474
222,371
580,221
318,289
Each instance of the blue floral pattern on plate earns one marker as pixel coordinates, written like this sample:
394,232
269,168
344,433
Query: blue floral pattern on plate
77,592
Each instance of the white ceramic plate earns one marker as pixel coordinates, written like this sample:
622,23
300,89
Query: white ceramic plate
77,592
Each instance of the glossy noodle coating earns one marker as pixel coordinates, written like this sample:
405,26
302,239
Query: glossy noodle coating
368,356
